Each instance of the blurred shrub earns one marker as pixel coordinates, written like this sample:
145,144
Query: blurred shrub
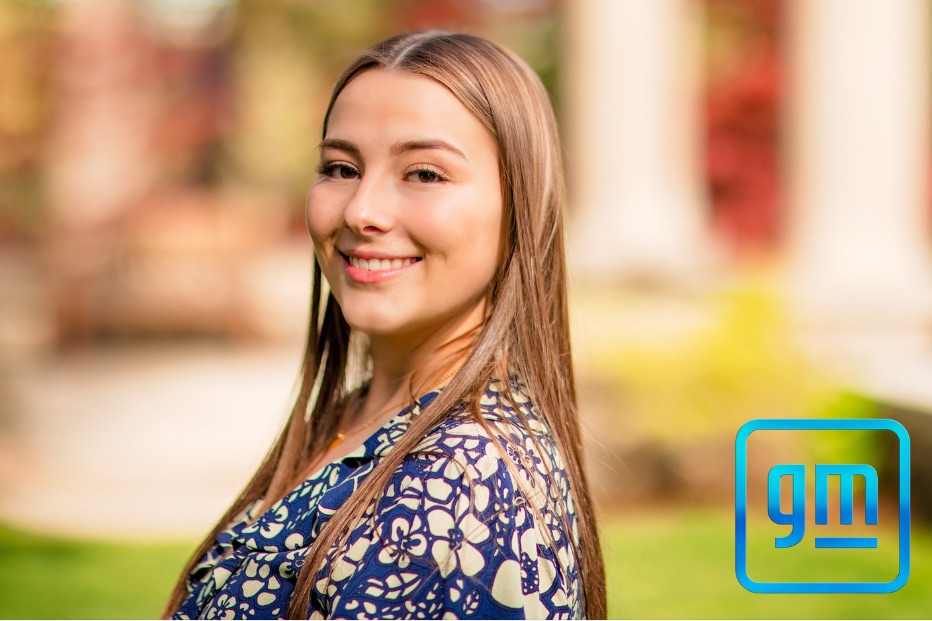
667,407
829,447
742,365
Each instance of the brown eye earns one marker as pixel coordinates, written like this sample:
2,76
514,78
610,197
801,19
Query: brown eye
337,170
425,175
342,171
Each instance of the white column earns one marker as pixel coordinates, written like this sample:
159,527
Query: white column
858,162
632,98
99,155
99,159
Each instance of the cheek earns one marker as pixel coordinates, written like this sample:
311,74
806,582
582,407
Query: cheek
469,234
322,214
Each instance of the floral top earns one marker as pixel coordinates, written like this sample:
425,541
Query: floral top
454,535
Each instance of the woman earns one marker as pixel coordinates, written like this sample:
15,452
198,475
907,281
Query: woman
431,466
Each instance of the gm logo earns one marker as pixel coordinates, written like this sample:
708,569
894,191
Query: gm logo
844,517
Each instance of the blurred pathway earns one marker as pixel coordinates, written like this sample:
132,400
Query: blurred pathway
139,440
150,438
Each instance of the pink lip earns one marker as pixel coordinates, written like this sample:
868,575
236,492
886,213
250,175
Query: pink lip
357,274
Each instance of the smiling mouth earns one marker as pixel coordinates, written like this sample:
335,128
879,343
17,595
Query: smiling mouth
380,265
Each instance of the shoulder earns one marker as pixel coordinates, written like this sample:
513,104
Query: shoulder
481,476
503,416
509,440
467,526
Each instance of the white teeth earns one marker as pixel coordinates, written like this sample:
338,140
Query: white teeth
377,265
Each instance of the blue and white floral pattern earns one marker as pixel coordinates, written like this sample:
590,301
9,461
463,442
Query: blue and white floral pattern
454,536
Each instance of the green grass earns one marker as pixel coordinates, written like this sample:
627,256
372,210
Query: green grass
674,563
682,565
56,578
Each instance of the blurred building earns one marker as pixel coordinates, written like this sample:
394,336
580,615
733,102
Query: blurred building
709,132
165,143
177,149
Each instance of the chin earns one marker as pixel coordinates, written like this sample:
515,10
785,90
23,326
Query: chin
374,321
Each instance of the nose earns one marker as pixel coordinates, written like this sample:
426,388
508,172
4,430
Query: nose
369,210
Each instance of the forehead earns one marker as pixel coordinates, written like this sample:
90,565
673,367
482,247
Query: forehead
396,105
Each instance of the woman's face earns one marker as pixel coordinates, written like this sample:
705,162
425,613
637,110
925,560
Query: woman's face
406,214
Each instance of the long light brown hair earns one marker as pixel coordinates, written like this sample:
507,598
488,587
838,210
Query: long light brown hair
525,333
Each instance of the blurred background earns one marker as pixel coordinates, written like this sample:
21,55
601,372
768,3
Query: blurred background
749,233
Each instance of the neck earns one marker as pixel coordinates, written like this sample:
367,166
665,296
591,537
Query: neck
405,367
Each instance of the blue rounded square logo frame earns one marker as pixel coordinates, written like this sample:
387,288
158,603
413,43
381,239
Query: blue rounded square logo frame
741,505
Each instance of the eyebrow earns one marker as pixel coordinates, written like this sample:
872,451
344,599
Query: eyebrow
416,145
397,149
340,145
